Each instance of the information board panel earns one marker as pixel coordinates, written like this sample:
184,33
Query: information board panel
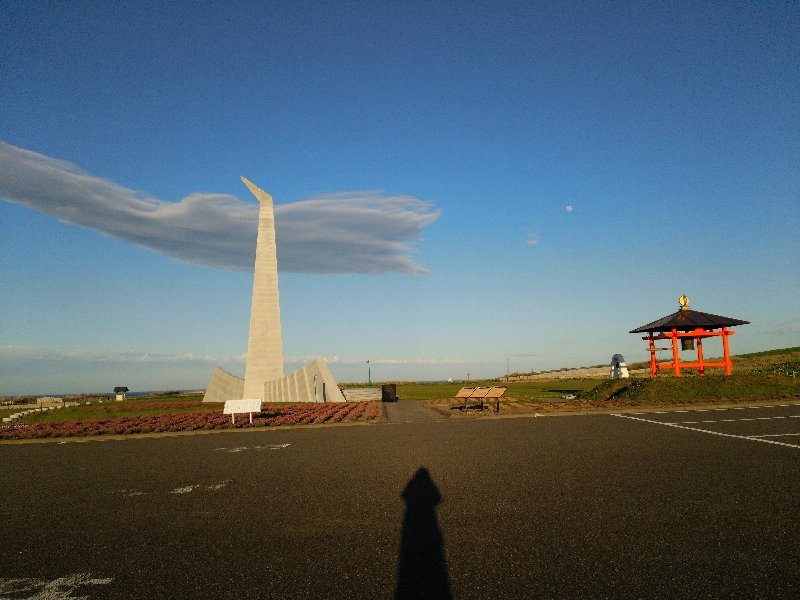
246,405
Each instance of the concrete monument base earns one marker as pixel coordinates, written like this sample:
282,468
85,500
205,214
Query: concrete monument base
312,383
224,386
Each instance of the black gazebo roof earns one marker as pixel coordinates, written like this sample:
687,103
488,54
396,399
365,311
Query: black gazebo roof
687,320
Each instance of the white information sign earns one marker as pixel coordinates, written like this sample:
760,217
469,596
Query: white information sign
247,405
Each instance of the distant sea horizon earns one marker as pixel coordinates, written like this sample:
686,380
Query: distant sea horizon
139,394
129,394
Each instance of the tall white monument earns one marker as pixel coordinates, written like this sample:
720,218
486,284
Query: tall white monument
264,377
264,346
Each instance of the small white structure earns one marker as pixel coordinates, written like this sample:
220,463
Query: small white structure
619,369
120,392
246,405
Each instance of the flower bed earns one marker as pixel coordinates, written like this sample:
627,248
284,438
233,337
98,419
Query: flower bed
155,405
273,415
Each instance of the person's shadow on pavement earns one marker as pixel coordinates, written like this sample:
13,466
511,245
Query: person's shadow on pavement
422,570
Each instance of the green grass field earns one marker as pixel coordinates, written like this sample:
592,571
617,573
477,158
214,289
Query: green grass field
523,390
132,407
757,376
710,389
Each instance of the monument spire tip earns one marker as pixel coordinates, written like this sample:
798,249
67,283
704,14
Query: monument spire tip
260,194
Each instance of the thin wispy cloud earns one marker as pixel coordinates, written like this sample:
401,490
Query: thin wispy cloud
347,232
337,360
34,354
790,327
533,239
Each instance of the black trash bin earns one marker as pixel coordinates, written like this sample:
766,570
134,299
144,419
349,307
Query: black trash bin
389,392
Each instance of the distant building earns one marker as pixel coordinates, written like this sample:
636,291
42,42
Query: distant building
120,392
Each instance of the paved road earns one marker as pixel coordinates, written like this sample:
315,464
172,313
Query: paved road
410,412
570,507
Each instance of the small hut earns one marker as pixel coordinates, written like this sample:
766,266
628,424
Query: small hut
120,392
691,327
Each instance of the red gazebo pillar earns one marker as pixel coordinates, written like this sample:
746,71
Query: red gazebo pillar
653,364
676,368
726,351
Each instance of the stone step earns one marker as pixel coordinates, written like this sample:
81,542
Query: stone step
366,394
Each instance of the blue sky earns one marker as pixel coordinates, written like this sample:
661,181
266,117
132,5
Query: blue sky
459,186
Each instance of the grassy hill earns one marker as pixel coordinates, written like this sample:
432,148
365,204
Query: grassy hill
770,375
762,376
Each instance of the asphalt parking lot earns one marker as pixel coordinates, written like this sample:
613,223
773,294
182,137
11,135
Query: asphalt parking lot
648,505
776,424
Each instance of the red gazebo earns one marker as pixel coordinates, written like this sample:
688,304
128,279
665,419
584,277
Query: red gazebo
691,327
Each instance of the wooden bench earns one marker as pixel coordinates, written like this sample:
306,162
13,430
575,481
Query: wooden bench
482,394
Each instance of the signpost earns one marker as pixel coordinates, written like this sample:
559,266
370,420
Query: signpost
247,405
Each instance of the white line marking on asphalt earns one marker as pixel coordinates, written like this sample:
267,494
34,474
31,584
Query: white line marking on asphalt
773,435
741,437
55,589
220,485
742,419
186,489
265,447
181,490
190,488
131,493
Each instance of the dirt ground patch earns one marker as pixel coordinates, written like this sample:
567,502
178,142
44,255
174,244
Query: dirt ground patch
510,407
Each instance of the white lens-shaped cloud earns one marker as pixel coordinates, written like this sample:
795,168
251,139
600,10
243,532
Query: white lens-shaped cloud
347,232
